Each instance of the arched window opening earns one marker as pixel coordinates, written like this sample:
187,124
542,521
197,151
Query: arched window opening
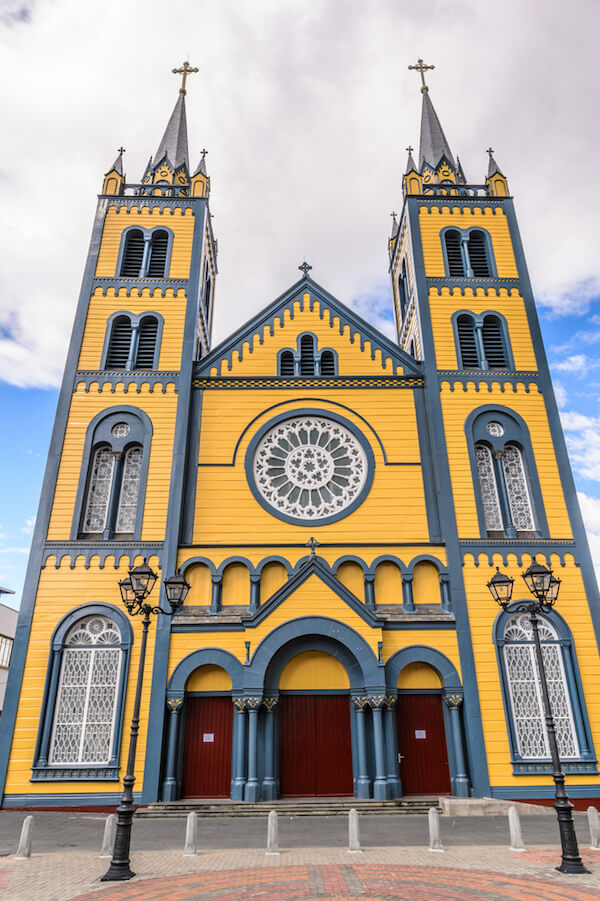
525,694
158,254
99,489
403,290
469,357
286,363
146,347
488,489
133,255
206,297
478,258
119,343
517,489
130,489
86,701
493,342
327,363
307,355
456,267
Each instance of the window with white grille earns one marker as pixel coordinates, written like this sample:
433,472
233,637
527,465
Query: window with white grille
516,488
488,489
98,496
84,718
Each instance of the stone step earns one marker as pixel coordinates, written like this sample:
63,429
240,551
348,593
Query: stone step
290,808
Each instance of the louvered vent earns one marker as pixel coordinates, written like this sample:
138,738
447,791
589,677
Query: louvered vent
158,254
327,363
134,254
206,297
120,342
493,344
478,255
286,363
454,255
466,340
146,343
307,355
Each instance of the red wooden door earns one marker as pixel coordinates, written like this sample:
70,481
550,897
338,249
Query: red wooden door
207,748
422,744
315,747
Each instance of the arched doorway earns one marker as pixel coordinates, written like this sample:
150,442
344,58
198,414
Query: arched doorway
208,734
422,747
315,744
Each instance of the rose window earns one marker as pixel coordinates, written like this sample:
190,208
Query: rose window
310,468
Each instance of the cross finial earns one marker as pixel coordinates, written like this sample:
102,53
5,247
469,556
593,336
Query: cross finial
121,151
203,152
421,67
305,268
184,71
312,543
490,151
410,149
393,214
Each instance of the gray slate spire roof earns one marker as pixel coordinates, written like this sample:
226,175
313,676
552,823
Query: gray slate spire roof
174,144
117,166
494,168
201,167
433,144
410,164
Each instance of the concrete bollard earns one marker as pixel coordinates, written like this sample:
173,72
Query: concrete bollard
110,832
514,825
272,833
353,832
435,842
191,835
594,824
24,849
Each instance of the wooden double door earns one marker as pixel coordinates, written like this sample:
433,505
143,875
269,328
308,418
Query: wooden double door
315,746
207,747
422,745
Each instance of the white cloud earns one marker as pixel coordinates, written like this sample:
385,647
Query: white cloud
578,364
583,442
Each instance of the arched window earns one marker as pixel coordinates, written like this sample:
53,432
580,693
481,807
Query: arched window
119,343
146,343
158,254
477,251
403,291
286,363
132,341
130,489
86,702
98,496
327,363
307,355
469,357
517,490
456,266
133,254
492,338
523,695
307,360
481,341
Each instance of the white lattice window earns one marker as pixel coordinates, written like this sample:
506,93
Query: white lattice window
525,690
84,718
98,496
488,489
517,490
130,487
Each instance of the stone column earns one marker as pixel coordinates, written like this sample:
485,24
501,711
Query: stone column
462,785
254,592
391,747
269,783
407,593
380,789
369,579
238,775
252,789
169,786
215,597
363,784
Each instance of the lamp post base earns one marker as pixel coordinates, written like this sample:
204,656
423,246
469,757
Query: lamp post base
120,874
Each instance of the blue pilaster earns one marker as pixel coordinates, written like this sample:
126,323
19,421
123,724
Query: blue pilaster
380,786
252,789
363,783
269,782
238,776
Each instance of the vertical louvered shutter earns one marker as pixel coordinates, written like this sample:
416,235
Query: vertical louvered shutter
120,342
133,255
286,363
478,255
493,343
466,339
158,254
146,343
453,253
307,355
327,363
206,297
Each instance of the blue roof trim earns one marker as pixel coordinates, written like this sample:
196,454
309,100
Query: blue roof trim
103,550
475,284
499,377
141,284
125,377
335,308
516,548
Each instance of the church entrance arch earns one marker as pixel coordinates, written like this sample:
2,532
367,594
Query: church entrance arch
208,734
315,744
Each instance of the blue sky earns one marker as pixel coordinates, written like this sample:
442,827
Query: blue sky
306,114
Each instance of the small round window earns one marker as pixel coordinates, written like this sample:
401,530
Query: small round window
495,429
120,430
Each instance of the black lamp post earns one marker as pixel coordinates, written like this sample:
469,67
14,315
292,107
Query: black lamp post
134,591
544,586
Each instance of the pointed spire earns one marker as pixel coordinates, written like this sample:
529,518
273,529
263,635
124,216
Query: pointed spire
117,166
174,144
493,167
201,167
433,144
394,224
410,163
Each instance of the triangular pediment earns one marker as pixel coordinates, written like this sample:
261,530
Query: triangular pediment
304,297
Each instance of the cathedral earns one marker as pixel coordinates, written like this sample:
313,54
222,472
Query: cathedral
337,502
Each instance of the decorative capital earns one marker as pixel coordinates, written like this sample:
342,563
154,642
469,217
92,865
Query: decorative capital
270,703
454,699
377,701
175,704
389,701
360,702
239,703
253,703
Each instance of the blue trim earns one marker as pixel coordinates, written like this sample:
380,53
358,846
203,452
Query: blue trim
532,792
479,379
325,414
71,799
204,657
135,320
543,547
418,653
126,284
487,285
99,432
478,320
273,558
193,560
427,558
116,550
191,467
125,377
147,233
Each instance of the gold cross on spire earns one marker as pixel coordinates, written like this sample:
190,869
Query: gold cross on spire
421,67
184,71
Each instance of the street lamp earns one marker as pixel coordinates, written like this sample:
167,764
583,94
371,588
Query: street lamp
544,586
134,591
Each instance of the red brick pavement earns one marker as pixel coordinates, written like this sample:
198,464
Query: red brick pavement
346,883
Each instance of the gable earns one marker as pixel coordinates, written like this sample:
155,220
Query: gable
252,351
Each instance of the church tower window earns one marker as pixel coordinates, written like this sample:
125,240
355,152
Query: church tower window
120,343
327,363
492,337
477,252
158,254
133,341
146,344
481,341
469,357
145,253
286,363
307,355
456,266
133,254
98,496
468,253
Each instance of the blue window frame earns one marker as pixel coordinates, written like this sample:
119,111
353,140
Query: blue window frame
80,727
132,341
145,253
482,340
307,359
468,253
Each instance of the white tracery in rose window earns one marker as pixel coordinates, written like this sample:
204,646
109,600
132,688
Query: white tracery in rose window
99,490
525,690
87,695
488,488
130,486
309,468
516,488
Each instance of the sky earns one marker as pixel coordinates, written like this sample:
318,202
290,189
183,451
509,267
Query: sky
306,108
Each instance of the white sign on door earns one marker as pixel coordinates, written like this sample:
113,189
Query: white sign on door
420,733
208,736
